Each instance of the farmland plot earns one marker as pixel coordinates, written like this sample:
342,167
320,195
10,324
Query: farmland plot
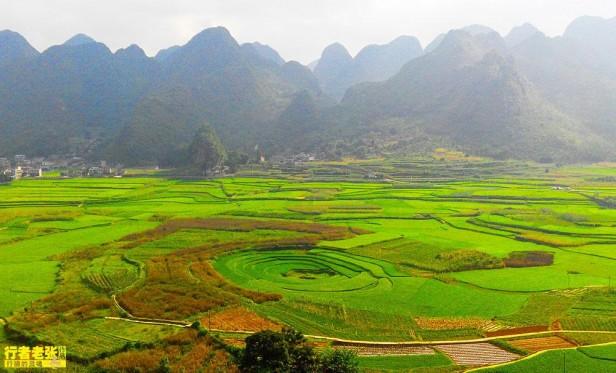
541,344
471,354
430,254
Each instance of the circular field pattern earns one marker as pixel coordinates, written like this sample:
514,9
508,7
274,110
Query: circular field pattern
316,270
353,284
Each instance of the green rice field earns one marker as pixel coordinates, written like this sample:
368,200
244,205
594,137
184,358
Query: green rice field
403,363
584,359
432,251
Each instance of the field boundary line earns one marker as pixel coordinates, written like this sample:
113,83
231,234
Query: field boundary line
409,343
464,341
117,304
131,317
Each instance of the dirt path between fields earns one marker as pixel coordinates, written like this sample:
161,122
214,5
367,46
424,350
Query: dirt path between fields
145,320
455,341
185,324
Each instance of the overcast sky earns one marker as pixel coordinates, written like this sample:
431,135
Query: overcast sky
297,29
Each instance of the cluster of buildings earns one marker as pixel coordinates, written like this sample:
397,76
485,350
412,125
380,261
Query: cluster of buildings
291,160
22,167
89,169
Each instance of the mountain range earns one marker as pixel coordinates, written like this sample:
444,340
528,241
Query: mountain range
337,70
523,95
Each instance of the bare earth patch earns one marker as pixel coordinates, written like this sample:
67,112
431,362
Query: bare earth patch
433,323
239,319
520,330
385,349
541,344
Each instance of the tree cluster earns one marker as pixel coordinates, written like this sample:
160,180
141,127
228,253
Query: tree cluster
289,351
206,151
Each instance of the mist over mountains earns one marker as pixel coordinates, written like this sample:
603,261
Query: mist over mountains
337,70
522,95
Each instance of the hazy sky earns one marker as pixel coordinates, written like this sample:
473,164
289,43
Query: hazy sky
297,29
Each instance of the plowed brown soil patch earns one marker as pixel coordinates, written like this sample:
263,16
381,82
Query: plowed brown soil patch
514,331
519,259
448,324
235,342
385,349
541,344
239,319
326,232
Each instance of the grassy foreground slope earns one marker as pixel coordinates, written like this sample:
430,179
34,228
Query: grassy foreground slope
579,360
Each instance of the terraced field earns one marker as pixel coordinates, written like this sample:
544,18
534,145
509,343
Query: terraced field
541,344
434,251
111,273
473,354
